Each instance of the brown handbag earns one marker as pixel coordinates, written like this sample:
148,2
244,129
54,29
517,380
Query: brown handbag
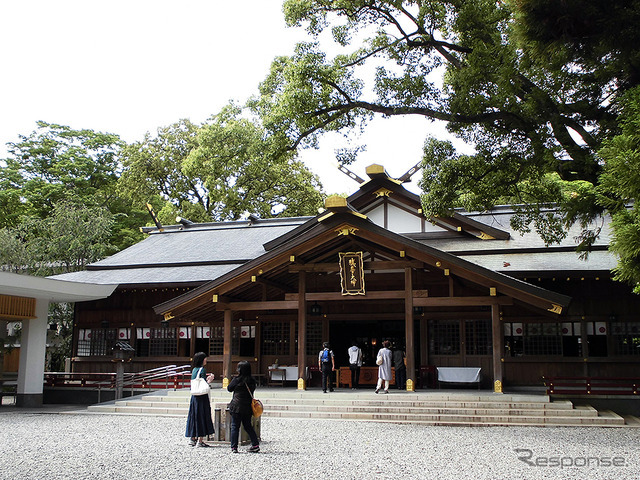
256,405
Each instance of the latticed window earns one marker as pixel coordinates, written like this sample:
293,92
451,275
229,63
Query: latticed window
163,341
216,341
542,339
314,336
235,340
478,337
444,337
532,339
157,342
275,338
625,338
96,341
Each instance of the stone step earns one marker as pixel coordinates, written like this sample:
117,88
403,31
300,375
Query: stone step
608,419
162,406
428,395
423,408
632,420
166,401
445,419
171,400
591,412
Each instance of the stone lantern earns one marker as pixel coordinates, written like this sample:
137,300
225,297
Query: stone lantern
122,352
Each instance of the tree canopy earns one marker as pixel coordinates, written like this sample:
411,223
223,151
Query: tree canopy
67,240
533,85
57,164
224,169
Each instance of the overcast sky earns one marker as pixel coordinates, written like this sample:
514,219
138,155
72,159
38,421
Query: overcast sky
131,66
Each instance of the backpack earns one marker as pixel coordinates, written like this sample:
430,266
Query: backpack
325,355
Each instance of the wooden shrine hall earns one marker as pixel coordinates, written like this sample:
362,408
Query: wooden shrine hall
462,291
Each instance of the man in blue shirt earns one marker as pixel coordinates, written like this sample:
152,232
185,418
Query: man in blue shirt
327,365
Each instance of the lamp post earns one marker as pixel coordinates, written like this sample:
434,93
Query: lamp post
122,352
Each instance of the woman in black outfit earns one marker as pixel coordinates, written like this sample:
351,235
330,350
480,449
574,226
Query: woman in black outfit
199,423
242,386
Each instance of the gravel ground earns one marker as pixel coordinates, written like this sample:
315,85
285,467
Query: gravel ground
57,446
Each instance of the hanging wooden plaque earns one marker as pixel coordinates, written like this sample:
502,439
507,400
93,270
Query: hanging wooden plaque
352,273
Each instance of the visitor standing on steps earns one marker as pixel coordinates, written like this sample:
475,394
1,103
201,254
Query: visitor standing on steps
327,365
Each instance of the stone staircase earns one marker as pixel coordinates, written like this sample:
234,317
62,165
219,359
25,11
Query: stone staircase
447,408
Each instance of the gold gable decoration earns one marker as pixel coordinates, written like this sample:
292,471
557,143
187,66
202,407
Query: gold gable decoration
346,230
352,273
382,192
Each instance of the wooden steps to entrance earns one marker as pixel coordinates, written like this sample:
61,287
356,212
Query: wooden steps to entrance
425,408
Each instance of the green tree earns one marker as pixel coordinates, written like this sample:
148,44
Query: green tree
66,241
536,125
55,164
619,190
221,170
600,37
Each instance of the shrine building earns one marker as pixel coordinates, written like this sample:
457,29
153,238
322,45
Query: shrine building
458,291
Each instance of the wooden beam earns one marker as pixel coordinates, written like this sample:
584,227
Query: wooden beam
202,300
270,305
371,295
379,265
272,283
461,301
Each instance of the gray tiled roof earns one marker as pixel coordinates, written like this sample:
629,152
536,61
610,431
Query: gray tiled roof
544,261
526,252
203,252
153,275
191,254
223,242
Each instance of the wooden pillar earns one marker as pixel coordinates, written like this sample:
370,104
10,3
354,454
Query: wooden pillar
302,331
192,341
226,349
584,337
408,328
497,333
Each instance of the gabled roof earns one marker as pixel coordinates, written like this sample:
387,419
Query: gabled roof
191,254
328,226
381,185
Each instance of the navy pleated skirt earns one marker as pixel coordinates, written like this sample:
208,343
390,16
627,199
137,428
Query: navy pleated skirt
199,423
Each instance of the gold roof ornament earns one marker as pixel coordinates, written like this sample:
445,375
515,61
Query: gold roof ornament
335,201
375,169
555,309
485,236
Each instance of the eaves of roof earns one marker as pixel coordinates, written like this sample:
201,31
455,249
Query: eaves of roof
328,223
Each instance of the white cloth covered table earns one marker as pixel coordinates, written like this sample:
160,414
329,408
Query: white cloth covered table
284,373
459,374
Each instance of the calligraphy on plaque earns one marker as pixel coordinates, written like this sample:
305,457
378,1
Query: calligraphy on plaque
352,273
